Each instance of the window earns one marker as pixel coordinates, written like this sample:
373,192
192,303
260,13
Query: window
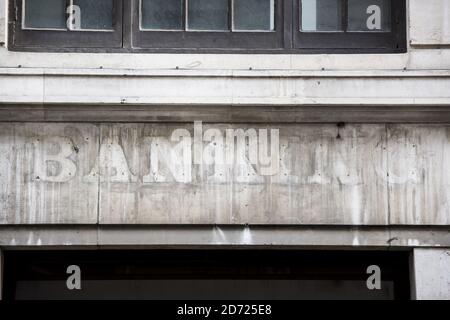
207,15
205,274
211,24
246,26
67,24
342,25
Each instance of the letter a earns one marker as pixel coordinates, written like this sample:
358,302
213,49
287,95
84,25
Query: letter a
374,281
74,19
374,21
74,280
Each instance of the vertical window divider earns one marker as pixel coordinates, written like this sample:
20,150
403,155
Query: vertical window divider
345,16
16,12
185,3
69,4
127,22
273,9
231,15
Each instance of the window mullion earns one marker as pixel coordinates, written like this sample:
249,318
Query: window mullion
345,16
69,3
231,15
185,15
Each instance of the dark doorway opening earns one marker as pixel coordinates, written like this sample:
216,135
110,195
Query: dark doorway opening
205,274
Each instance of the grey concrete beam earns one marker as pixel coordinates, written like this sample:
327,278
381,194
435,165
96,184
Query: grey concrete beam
220,114
73,237
431,271
334,90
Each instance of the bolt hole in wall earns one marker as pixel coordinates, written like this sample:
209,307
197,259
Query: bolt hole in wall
206,275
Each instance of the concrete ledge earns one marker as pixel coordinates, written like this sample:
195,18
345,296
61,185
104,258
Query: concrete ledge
125,236
225,88
217,73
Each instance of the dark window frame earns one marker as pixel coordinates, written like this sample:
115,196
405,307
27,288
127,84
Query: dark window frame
215,40
51,40
393,41
286,39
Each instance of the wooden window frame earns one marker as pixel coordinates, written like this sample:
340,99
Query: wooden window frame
393,41
211,40
286,39
62,40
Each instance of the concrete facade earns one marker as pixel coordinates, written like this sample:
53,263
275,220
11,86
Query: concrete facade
430,26
364,142
432,274
369,174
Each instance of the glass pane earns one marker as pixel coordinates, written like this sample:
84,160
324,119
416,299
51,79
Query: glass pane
45,14
321,15
254,15
162,14
369,15
95,14
208,15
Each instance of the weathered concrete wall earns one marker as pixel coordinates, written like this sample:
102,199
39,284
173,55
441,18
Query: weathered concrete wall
431,274
419,178
430,23
26,153
136,174
321,180
416,191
